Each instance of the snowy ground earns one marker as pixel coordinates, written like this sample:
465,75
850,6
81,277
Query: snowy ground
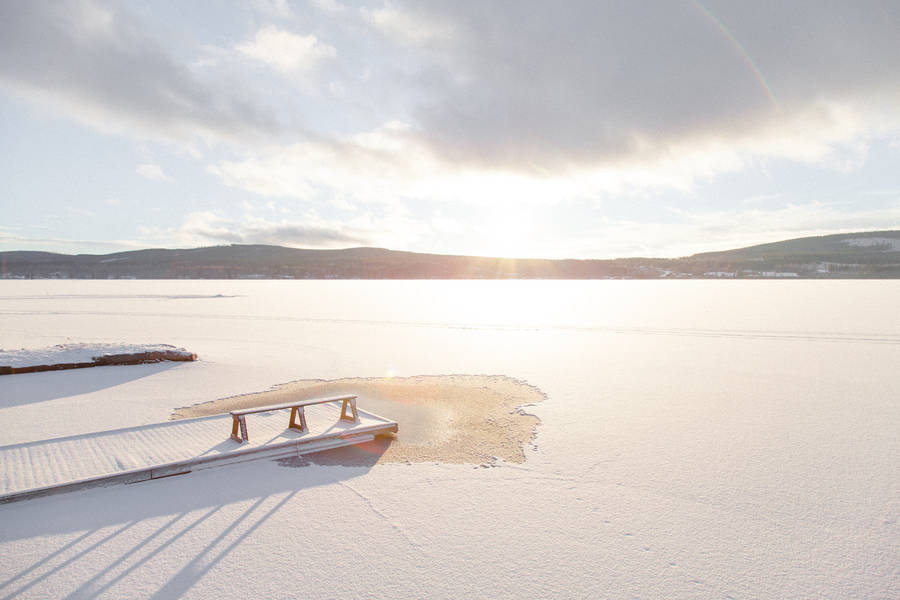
699,439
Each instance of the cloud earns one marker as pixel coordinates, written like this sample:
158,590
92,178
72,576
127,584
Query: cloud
64,245
276,8
92,61
376,166
542,103
406,27
520,106
153,172
331,7
533,84
286,51
207,226
393,163
715,230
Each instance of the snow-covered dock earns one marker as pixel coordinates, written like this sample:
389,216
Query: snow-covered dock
135,454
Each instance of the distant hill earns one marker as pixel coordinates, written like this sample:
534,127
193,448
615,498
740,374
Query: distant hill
866,254
876,246
275,262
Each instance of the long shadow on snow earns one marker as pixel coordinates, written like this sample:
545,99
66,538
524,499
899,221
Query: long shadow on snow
101,507
188,501
102,515
27,388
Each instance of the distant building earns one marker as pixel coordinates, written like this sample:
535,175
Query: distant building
719,274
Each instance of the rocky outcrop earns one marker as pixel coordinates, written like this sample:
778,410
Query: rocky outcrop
135,358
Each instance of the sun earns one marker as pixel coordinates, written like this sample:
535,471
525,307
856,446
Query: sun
507,234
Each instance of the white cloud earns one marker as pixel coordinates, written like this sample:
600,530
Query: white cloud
659,93
154,172
375,166
518,106
286,51
332,7
395,162
65,245
406,27
277,8
539,103
537,85
93,62
715,230
209,227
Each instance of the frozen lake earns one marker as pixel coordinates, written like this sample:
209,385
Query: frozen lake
699,439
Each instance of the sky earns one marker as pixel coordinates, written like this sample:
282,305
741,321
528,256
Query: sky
524,128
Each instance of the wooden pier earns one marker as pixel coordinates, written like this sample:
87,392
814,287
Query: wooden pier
54,466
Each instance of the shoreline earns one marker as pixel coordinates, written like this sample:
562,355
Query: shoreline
63,357
113,360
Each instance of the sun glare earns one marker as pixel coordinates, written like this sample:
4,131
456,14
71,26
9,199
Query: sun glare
506,233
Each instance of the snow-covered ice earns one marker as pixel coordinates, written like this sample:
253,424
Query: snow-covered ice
699,439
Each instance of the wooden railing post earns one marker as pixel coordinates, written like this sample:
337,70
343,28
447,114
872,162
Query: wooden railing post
239,422
344,415
293,424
